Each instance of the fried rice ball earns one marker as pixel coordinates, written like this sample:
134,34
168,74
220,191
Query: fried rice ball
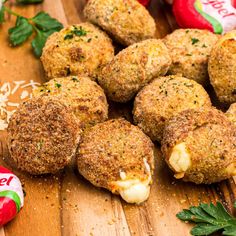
199,146
222,68
164,98
231,113
118,156
127,21
133,68
190,50
85,97
42,136
80,49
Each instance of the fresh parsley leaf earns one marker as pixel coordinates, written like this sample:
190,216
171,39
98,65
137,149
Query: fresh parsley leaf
45,25
21,32
2,15
204,229
209,218
194,40
45,22
230,230
39,41
29,1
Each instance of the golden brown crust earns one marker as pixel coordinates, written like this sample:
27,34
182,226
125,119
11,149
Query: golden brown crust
42,136
80,49
114,146
231,113
133,68
210,140
189,51
85,97
222,68
163,98
127,21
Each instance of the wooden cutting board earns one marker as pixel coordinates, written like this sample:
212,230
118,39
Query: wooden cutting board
66,204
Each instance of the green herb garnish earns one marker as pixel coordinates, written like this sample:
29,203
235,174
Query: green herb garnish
209,218
76,32
75,79
79,32
57,85
194,40
42,24
68,36
2,19
29,1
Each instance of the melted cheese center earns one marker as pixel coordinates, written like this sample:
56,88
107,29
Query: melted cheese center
180,159
134,190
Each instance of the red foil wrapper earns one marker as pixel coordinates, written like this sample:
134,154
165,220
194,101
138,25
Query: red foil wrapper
11,196
218,16
144,2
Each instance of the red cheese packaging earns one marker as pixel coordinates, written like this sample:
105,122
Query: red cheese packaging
11,196
218,16
144,2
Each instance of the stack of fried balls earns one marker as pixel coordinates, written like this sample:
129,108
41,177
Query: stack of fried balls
167,81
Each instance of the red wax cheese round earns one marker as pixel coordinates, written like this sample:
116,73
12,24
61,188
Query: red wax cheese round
144,2
11,196
218,16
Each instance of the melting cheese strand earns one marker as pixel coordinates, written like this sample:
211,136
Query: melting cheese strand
180,159
134,190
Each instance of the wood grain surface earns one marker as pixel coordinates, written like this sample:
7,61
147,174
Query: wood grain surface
68,205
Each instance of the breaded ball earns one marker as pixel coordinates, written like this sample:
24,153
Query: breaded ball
199,146
222,68
85,97
42,136
80,49
164,98
118,156
190,50
231,113
133,68
127,21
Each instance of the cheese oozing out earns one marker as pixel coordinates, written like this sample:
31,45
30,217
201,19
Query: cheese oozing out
180,160
134,190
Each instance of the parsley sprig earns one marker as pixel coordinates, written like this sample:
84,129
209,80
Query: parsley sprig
209,218
42,24
29,1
